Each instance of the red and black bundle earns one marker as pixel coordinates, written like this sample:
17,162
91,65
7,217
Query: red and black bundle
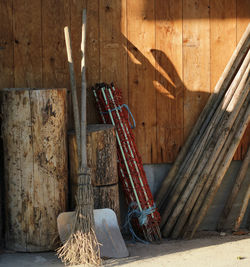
131,173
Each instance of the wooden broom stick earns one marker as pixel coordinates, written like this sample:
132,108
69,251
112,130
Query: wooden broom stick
222,169
206,114
83,95
73,89
211,152
237,185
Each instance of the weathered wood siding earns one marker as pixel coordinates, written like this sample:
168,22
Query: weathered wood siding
166,56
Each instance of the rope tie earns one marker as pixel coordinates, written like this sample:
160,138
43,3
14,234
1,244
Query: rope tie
142,217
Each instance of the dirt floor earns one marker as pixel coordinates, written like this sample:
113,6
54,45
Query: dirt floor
205,250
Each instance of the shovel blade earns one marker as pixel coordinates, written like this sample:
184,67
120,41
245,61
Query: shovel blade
106,228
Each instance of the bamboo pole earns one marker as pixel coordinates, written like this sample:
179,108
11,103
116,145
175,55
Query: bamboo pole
203,185
222,169
237,185
243,209
206,114
198,162
211,152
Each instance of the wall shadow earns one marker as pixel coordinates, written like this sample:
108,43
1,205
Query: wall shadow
164,80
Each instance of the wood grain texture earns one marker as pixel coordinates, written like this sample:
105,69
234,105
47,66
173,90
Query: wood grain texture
55,15
222,28
168,80
27,43
125,41
141,76
6,79
34,132
113,56
6,44
243,19
101,157
107,197
196,59
92,58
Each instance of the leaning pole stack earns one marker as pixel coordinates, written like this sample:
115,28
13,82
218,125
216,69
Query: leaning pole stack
189,189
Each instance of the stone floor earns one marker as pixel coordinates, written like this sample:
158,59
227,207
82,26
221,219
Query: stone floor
205,250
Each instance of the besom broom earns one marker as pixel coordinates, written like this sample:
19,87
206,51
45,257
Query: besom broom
82,246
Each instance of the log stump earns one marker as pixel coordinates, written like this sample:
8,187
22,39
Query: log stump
35,163
102,160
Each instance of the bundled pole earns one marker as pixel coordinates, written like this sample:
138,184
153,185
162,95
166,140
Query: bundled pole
235,190
181,198
131,172
82,246
201,175
203,121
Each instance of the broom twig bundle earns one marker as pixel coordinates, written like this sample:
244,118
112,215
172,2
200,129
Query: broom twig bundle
82,246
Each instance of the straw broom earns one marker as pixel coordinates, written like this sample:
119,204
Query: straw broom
82,246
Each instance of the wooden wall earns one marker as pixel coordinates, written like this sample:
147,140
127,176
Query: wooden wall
166,56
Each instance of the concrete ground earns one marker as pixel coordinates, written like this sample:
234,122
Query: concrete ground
210,250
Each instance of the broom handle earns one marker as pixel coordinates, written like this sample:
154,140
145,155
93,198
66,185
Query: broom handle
83,95
73,89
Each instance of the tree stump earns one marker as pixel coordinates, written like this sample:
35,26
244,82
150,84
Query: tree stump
102,160
35,163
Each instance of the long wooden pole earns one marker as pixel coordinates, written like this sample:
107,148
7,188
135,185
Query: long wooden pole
206,114
243,209
222,170
73,89
83,95
195,201
212,151
198,162
235,190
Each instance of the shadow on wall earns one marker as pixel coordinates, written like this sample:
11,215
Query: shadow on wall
173,98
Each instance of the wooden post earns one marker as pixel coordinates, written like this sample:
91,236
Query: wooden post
102,159
35,162
194,203
222,169
203,162
202,122
242,211
237,185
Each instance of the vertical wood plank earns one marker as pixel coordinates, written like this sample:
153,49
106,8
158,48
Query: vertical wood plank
141,76
6,77
243,19
168,55
196,59
27,43
113,57
75,28
48,114
55,15
18,157
6,44
92,57
223,29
